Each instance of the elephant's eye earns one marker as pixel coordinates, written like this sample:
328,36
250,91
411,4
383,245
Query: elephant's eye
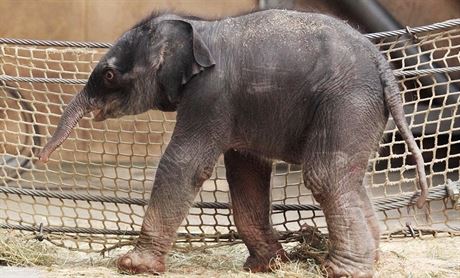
109,75
111,78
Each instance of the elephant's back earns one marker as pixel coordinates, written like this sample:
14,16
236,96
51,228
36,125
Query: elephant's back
291,26
282,35
297,45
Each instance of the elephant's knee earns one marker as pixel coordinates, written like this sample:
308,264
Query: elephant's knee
316,179
202,175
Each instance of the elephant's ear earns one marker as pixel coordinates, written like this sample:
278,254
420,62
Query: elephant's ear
185,55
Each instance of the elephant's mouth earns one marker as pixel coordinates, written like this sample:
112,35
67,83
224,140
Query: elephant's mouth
99,115
102,114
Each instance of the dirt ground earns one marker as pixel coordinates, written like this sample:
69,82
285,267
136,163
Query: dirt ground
427,257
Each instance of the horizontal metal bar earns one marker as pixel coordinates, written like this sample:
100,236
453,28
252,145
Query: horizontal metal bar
8,78
55,43
414,30
132,201
434,193
425,71
77,230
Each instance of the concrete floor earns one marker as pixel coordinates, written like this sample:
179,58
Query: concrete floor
20,272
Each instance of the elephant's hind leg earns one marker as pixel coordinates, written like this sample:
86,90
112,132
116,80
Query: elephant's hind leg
352,245
334,170
249,181
371,217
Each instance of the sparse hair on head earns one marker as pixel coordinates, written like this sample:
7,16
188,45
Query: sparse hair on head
156,13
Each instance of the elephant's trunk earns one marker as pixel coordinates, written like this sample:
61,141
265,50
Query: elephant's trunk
75,110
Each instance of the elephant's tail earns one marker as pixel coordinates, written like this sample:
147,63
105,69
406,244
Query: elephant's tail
394,104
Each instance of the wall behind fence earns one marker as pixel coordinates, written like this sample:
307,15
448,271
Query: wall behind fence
98,20
105,20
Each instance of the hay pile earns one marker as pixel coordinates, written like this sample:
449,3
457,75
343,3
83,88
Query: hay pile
16,249
429,257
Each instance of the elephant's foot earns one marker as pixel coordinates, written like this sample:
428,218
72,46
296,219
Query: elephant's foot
266,263
135,262
336,268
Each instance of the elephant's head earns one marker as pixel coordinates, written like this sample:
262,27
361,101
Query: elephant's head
146,68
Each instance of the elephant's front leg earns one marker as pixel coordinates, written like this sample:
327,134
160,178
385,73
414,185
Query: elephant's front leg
249,181
186,164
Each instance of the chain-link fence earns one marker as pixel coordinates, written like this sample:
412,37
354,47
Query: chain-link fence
92,194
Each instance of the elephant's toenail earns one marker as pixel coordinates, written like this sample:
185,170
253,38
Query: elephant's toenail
125,262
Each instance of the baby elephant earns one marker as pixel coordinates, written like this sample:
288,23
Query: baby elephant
300,87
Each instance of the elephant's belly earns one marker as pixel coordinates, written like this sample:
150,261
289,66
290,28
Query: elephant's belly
277,142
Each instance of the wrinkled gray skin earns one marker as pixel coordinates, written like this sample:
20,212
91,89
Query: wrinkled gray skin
303,88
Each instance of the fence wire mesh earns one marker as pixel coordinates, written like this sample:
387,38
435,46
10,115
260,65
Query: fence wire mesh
91,195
